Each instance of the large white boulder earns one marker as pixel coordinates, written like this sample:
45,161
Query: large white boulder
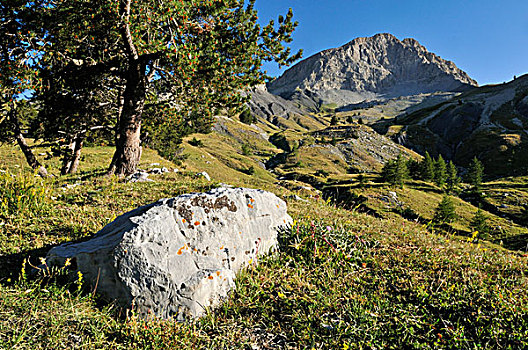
177,257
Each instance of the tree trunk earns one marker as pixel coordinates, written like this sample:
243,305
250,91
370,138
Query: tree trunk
71,160
67,158
128,146
76,157
30,157
128,149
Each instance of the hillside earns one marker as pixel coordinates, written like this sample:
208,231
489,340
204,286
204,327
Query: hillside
489,122
371,68
341,279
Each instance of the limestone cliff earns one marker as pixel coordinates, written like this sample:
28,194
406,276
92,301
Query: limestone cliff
372,68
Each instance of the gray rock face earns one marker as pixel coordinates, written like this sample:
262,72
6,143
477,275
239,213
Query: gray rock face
177,257
489,123
266,105
368,68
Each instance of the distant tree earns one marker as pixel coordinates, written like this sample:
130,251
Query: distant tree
246,117
452,180
334,120
360,121
479,223
350,119
388,173
428,168
414,169
198,143
445,212
18,41
362,180
395,171
333,142
440,171
475,174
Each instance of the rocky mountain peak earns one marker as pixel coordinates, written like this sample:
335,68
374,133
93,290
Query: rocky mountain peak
381,66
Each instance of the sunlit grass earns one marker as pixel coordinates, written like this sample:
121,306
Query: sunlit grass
341,279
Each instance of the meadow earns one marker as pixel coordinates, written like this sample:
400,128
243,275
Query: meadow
342,279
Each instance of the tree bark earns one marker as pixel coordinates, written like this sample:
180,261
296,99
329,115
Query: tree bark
71,160
30,157
128,146
128,143
76,157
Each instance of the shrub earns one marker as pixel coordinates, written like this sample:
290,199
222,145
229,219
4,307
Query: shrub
322,173
246,149
246,117
195,142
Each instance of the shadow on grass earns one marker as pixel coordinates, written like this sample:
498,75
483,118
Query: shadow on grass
83,175
11,264
518,243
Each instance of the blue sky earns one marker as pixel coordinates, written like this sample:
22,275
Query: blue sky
487,39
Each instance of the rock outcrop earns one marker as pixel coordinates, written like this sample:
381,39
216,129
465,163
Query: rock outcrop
370,68
177,257
489,123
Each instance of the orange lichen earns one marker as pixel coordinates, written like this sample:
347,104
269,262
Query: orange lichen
196,223
250,206
210,277
184,221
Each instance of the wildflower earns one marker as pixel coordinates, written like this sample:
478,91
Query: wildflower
281,295
329,228
79,280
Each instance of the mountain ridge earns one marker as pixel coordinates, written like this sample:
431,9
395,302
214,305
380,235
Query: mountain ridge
369,68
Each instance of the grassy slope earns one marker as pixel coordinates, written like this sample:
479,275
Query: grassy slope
362,283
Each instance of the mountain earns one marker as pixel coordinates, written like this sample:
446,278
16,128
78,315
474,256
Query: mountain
371,68
489,122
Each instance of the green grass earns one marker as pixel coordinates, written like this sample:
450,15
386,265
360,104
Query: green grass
341,279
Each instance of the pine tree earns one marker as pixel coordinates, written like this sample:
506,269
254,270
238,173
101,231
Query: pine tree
428,169
440,171
479,223
414,169
445,212
452,178
388,173
475,174
395,171
187,59
333,120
